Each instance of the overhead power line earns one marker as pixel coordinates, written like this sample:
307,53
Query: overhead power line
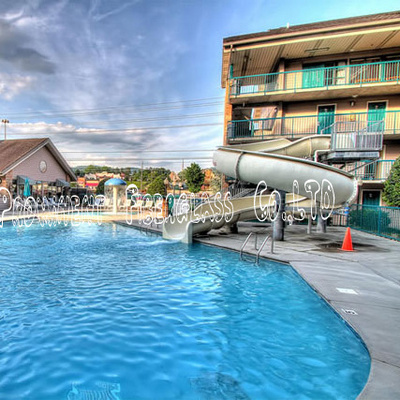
138,159
135,108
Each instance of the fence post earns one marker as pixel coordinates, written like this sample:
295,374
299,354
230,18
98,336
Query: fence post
346,215
265,84
292,127
379,220
398,71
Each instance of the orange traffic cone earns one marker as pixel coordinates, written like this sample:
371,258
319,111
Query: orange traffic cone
347,244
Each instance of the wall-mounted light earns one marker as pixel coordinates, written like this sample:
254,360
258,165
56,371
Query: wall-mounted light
352,103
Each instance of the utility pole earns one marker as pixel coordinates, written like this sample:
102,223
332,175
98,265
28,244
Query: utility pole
141,177
5,122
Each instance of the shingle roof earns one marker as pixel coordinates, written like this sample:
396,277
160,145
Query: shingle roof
13,150
318,25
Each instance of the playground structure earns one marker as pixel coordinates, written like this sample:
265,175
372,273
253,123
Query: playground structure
282,165
114,190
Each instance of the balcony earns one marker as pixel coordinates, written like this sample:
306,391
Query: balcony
347,136
376,171
297,126
363,79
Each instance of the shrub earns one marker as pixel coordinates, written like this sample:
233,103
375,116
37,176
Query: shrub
391,190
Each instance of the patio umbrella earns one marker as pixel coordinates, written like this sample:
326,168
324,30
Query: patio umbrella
27,188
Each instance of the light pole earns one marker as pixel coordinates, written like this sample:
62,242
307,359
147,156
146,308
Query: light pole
5,122
141,177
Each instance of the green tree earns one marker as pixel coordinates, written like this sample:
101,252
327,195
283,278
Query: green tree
194,177
391,190
182,175
216,180
100,187
157,186
91,169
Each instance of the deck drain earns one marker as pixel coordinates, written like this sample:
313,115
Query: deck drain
347,291
349,312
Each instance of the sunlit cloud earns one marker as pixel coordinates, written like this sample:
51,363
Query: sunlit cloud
13,85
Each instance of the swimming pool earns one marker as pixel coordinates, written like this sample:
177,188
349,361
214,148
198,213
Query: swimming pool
106,310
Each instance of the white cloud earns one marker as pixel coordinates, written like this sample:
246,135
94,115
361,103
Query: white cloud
12,85
104,54
118,148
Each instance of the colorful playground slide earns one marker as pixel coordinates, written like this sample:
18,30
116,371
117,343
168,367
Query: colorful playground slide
283,166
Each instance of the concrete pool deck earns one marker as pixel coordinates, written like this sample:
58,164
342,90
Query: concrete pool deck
366,281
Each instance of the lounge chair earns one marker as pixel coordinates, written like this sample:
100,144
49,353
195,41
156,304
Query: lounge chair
125,203
148,204
107,203
99,200
46,203
53,203
159,204
139,204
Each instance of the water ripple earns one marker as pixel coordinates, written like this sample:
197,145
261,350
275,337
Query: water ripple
107,311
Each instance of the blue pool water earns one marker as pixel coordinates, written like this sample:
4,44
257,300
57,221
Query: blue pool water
108,312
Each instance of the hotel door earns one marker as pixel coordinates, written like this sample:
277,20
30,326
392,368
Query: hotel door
326,118
313,76
376,113
371,197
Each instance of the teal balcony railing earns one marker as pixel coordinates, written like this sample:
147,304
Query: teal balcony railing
309,79
297,126
371,171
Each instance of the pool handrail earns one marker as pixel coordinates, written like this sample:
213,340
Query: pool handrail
245,242
262,246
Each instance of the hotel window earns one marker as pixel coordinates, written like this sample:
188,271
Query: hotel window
319,75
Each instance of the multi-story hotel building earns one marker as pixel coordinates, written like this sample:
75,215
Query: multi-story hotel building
332,77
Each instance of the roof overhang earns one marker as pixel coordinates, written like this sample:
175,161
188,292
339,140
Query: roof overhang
62,183
62,161
260,53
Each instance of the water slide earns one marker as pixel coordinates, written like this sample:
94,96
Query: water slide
279,163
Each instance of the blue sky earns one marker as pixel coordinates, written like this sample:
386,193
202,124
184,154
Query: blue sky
131,66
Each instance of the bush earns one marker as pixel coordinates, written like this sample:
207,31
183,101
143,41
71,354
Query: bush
391,190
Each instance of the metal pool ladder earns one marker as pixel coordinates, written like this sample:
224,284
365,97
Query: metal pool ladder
245,242
255,245
262,246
